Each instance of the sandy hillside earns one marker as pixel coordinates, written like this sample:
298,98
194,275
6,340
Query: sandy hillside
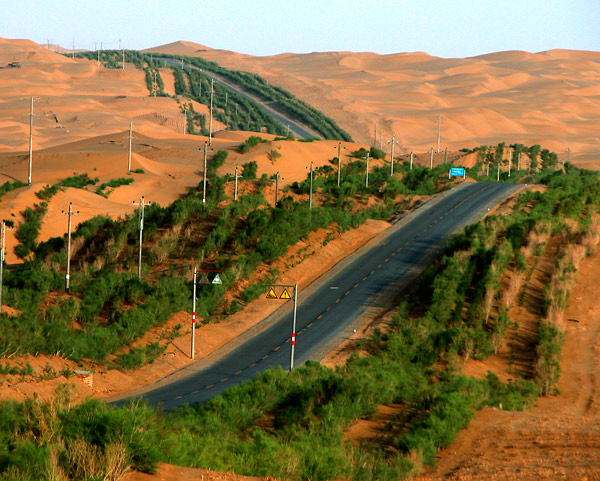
548,98
75,99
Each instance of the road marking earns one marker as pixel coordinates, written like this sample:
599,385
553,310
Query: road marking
277,348
337,300
328,309
406,243
209,386
306,326
387,259
347,292
319,316
356,285
253,364
178,397
379,266
287,340
194,392
393,253
364,278
430,226
372,272
237,373
224,379
264,357
424,230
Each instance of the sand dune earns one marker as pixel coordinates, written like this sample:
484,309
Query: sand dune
512,96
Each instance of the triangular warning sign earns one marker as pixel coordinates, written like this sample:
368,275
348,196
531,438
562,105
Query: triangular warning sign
217,280
204,279
271,294
285,294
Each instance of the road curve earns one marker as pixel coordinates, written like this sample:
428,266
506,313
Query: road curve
339,301
300,130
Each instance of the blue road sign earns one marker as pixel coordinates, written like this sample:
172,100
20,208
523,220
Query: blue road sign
457,172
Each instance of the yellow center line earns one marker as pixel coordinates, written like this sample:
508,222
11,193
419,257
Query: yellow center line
237,373
253,364
310,325
224,379
209,386
356,285
346,293
178,397
265,356
277,348
319,316
406,243
387,259
364,278
328,309
393,253
194,392
372,272
379,266
337,300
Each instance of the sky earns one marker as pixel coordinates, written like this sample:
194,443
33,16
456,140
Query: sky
445,28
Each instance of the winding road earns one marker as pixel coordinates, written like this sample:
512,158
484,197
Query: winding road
300,130
340,299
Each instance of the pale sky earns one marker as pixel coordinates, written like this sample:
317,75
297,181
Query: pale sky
446,28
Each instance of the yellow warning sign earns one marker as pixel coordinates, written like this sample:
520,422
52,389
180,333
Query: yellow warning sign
285,294
271,294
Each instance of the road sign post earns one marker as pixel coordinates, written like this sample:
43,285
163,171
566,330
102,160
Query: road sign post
285,294
204,280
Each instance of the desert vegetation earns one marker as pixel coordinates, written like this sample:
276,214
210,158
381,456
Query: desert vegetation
299,419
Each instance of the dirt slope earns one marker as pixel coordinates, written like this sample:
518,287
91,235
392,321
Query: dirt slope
560,437
548,97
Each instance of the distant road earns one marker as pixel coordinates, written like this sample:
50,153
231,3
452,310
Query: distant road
300,130
339,300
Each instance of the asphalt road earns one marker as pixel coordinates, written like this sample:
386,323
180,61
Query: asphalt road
339,301
300,130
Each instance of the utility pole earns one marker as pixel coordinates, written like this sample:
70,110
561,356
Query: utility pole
367,174
211,111
206,149
439,133
431,159
498,177
193,348
446,155
276,188
141,204
30,140
339,172
69,213
393,141
310,197
2,249
226,101
235,188
510,154
518,160
411,159
129,156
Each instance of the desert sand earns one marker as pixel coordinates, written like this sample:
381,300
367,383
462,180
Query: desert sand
549,98
81,125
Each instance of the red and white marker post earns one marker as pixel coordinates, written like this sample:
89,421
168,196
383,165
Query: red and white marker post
193,353
293,343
